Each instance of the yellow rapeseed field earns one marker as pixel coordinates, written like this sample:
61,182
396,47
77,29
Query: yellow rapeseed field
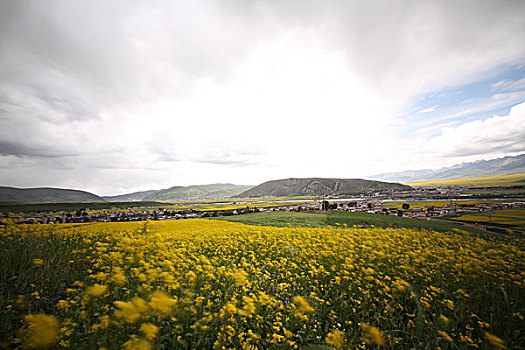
195,284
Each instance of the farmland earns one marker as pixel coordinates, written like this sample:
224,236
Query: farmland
484,181
338,218
213,284
511,218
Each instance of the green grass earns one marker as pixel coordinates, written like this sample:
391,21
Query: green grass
318,219
27,288
496,191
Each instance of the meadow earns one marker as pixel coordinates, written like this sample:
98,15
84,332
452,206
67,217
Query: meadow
338,218
200,283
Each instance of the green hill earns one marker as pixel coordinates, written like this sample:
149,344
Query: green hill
130,197
46,195
197,192
320,186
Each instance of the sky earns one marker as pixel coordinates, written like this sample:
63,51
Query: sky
121,96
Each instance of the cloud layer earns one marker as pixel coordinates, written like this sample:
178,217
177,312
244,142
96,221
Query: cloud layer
122,96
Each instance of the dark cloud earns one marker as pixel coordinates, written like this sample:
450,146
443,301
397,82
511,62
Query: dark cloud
23,150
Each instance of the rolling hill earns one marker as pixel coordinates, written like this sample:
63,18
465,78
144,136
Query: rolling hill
130,197
197,192
319,186
499,166
46,195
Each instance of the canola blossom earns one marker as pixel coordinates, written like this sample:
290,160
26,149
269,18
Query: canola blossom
41,330
214,284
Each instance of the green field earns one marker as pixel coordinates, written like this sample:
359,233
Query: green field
512,218
335,218
485,181
496,191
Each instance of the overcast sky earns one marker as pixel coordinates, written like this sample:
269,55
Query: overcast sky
118,96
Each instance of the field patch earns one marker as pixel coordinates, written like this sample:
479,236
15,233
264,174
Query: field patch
485,181
510,217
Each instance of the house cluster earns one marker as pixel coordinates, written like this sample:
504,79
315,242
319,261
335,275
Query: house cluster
454,208
376,206
118,216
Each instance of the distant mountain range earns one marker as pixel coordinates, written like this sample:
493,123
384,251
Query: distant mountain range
499,166
285,187
46,195
60,195
320,186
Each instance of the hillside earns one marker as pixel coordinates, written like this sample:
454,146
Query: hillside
46,195
197,192
320,186
130,197
499,166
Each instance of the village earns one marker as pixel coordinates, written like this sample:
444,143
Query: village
454,208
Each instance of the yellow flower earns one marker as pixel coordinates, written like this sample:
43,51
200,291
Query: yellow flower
132,310
78,284
104,322
336,338
42,330
38,262
62,305
162,303
240,276
446,336
495,341
444,318
118,277
137,344
372,335
150,330
303,306
97,290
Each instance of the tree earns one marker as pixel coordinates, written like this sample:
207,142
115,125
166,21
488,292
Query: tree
332,206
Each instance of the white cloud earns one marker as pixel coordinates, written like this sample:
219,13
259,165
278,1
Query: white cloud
429,109
509,84
494,135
